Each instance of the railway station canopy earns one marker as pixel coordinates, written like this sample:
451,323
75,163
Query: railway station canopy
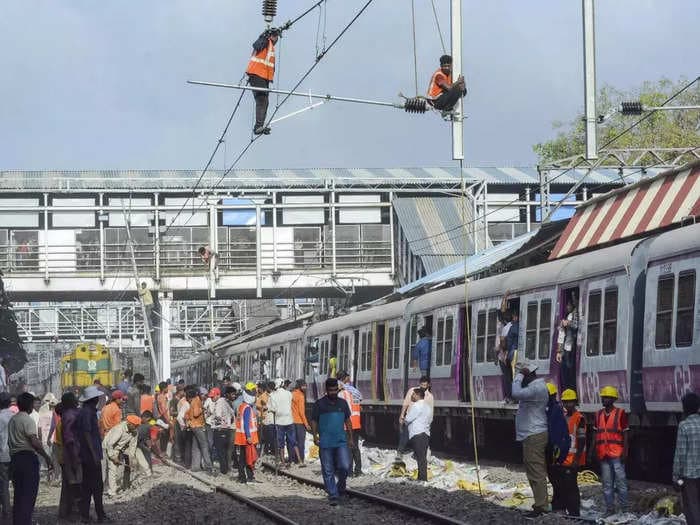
670,199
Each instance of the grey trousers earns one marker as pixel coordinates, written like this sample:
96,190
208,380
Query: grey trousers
536,467
200,450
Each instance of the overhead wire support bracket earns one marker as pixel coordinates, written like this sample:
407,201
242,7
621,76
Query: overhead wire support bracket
398,105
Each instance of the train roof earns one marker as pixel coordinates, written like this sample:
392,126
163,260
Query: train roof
675,242
359,318
605,261
270,340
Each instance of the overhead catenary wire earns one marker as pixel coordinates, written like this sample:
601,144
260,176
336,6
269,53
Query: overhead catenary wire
228,124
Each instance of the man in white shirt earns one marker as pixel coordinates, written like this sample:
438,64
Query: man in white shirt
418,419
424,383
183,437
281,408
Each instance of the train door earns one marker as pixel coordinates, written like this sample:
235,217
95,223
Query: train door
464,365
566,338
380,361
604,347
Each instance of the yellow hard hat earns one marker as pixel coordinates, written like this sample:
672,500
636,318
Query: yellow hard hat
250,386
568,395
157,388
609,391
551,388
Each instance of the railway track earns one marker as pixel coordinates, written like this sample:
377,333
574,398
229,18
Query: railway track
263,501
431,516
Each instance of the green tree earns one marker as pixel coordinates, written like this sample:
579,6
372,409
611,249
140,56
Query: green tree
663,129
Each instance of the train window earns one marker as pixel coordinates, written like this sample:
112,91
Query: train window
394,347
480,336
365,352
664,311
491,335
443,347
323,358
685,309
545,326
593,325
344,355
531,330
610,321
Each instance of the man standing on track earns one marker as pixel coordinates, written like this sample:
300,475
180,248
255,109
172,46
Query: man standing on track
686,461
332,430
91,455
418,419
301,425
531,430
424,383
611,430
353,397
281,408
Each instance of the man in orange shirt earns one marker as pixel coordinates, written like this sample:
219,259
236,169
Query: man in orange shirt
194,419
111,414
442,93
301,425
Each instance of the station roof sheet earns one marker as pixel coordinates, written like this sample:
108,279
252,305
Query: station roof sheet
652,204
472,265
438,229
116,180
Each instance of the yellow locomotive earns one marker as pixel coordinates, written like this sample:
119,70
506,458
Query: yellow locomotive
87,362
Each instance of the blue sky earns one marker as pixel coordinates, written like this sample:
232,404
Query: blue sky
103,84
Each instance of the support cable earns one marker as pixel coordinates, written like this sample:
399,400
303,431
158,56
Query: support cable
415,52
228,124
254,139
467,327
437,23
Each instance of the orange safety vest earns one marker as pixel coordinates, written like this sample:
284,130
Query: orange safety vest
240,438
262,64
434,90
355,419
609,441
574,423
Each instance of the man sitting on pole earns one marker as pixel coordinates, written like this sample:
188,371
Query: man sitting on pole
260,71
443,95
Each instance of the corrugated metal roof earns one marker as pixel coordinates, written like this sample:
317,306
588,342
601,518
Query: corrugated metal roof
254,178
473,265
640,208
435,229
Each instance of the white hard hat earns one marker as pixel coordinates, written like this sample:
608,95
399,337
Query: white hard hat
237,386
90,392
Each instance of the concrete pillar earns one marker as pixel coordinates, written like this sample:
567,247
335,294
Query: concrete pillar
165,301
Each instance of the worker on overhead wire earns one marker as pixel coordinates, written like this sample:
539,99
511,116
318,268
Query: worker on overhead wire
260,71
443,95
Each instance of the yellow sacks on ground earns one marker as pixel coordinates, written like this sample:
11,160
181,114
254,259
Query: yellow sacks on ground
449,466
587,477
414,474
313,452
471,486
516,500
668,506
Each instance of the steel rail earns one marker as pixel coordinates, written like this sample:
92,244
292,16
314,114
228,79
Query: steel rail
273,515
398,505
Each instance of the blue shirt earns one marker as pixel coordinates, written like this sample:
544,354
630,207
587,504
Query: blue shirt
331,417
421,353
123,386
87,424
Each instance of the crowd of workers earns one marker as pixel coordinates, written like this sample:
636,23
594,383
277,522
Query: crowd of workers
553,436
114,436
